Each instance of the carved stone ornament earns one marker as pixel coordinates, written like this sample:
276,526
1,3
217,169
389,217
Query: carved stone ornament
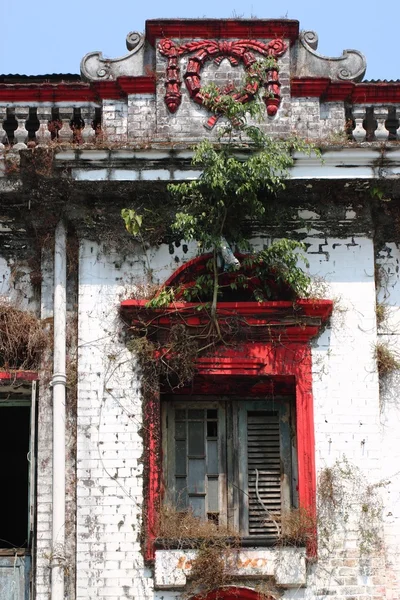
94,67
235,52
351,66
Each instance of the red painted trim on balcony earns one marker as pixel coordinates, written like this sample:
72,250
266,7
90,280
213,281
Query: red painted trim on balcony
222,29
340,91
11,376
45,92
77,92
376,93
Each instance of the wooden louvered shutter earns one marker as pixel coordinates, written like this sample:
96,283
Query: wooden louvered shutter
265,447
263,472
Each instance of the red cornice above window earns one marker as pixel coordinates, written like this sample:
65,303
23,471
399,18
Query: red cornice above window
20,376
222,29
297,321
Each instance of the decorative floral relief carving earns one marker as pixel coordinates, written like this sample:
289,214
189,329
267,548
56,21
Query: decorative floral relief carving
236,52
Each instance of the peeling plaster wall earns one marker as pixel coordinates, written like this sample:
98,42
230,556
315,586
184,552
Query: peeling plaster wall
348,421
15,284
389,418
109,465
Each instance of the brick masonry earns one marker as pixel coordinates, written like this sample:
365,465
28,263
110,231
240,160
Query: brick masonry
356,415
352,419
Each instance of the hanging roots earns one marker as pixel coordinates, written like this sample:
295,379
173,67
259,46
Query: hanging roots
22,338
173,361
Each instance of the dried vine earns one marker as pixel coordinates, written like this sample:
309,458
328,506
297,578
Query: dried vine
22,338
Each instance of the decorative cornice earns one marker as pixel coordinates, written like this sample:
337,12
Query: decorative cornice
43,92
262,29
297,321
94,67
77,92
351,66
376,93
354,93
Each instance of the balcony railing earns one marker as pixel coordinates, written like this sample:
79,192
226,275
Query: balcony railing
375,123
23,126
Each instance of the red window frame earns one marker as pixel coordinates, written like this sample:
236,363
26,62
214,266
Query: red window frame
282,357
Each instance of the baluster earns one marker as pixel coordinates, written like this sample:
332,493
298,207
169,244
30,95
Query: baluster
88,115
381,115
359,133
397,114
3,134
65,131
43,134
21,133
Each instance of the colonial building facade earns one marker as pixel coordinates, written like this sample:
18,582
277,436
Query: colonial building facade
284,438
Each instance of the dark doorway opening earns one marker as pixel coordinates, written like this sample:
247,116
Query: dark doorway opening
14,476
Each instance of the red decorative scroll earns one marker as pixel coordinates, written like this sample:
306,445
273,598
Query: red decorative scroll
236,52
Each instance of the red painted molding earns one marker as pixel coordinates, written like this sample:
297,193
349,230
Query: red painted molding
234,593
324,88
137,85
339,91
355,93
262,29
46,92
378,93
11,376
309,88
77,92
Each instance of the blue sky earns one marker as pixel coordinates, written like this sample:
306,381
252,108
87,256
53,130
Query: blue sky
44,36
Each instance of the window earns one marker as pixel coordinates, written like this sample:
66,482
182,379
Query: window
17,442
231,461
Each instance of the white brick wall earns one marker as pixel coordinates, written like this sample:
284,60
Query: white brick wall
351,419
348,423
109,467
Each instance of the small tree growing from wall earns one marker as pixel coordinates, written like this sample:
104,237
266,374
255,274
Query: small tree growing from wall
217,209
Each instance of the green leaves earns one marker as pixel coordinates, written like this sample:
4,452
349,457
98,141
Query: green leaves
231,190
133,221
237,181
279,263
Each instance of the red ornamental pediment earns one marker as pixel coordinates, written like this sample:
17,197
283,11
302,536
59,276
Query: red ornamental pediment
239,51
283,320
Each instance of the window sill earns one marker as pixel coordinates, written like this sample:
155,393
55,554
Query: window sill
286,565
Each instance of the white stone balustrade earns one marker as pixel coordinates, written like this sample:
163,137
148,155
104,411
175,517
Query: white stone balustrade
21,125
376,123
3,135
